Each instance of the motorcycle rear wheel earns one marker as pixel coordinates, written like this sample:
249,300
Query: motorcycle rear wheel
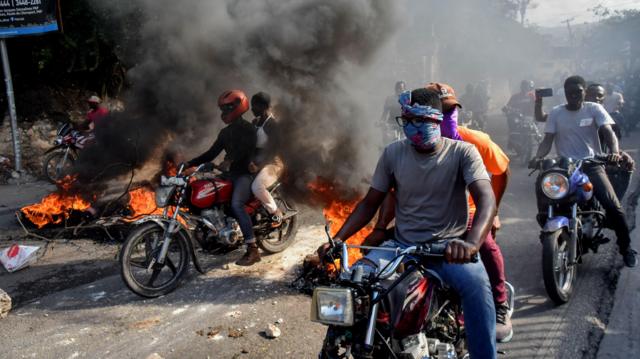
136,254
558,274
283,236
50,166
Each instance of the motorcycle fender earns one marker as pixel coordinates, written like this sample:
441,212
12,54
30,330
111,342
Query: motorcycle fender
555,223
52,149
164,223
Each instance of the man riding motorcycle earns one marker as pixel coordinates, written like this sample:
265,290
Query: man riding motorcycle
521,103
238,140
390,111
96,113
429,175
497,164
573,128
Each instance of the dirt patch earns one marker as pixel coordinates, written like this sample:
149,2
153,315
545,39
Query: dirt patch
145,324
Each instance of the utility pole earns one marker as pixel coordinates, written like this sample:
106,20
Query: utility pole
572,42
15,131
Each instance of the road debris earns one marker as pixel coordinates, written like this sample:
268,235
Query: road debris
234,314
18,256
154,356
5,304
235,332
272,331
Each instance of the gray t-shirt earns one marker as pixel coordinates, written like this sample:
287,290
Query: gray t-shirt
576,132
431,196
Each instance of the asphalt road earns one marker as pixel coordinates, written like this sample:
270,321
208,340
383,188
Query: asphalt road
223,314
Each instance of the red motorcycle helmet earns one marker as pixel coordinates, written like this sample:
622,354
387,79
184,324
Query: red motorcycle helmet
233,104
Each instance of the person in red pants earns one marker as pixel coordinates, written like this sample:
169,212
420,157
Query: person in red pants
497,164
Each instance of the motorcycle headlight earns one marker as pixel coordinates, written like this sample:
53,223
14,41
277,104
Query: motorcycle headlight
332,306
555,185
57,141
163,195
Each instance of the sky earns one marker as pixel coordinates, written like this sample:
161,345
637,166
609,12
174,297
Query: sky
553,12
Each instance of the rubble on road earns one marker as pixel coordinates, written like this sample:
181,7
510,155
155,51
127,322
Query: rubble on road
5,303
154,356
235,332
272,331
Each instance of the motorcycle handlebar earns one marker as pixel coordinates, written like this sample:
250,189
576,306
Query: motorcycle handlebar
437,249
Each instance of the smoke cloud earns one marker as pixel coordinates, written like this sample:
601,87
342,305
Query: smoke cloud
185,53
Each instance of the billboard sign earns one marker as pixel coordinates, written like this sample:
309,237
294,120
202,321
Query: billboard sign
27,17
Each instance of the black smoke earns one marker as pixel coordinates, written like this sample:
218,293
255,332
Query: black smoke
184,53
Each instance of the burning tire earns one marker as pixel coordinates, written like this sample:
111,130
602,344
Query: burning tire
55,166
138,252
278,240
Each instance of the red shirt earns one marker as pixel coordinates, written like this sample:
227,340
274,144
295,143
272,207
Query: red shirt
95,116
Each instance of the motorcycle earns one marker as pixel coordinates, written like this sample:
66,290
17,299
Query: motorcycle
524,136
60,158
358,309
156,255
572,224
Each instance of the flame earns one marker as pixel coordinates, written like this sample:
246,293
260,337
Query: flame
336,211
56,207
142,202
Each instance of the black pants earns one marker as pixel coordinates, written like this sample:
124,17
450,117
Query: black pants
606,195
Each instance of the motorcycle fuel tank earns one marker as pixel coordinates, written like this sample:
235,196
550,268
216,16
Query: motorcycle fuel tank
206,193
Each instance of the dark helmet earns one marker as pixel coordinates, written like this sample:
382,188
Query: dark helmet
526,85
233,104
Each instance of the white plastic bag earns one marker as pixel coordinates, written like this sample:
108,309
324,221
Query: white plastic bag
17,257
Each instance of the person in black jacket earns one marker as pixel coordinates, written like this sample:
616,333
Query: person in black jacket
238,140
266,164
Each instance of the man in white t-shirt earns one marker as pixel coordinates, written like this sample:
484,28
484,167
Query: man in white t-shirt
573,128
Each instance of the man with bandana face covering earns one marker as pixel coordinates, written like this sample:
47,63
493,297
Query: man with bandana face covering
430,176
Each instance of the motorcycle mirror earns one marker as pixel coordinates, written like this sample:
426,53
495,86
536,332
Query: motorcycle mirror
327,225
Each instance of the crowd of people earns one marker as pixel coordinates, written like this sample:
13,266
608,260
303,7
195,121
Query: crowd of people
441,182
413,184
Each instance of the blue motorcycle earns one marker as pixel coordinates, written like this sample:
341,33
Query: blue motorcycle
572,221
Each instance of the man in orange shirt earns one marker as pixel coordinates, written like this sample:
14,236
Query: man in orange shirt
497,164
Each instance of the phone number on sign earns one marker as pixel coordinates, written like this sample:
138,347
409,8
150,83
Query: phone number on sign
28,2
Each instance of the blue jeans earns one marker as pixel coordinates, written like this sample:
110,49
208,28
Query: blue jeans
241,195
471,283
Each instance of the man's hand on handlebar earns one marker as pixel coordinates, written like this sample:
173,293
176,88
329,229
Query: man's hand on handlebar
459,251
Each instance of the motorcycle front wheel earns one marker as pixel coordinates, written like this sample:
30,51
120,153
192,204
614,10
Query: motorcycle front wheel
559,275
55,166
143,245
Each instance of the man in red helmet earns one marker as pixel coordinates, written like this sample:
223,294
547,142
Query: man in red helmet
238,140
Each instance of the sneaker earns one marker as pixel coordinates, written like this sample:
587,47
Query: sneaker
251,257
630,259
504,330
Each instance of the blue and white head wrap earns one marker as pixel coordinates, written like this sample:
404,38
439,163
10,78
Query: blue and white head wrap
417,110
